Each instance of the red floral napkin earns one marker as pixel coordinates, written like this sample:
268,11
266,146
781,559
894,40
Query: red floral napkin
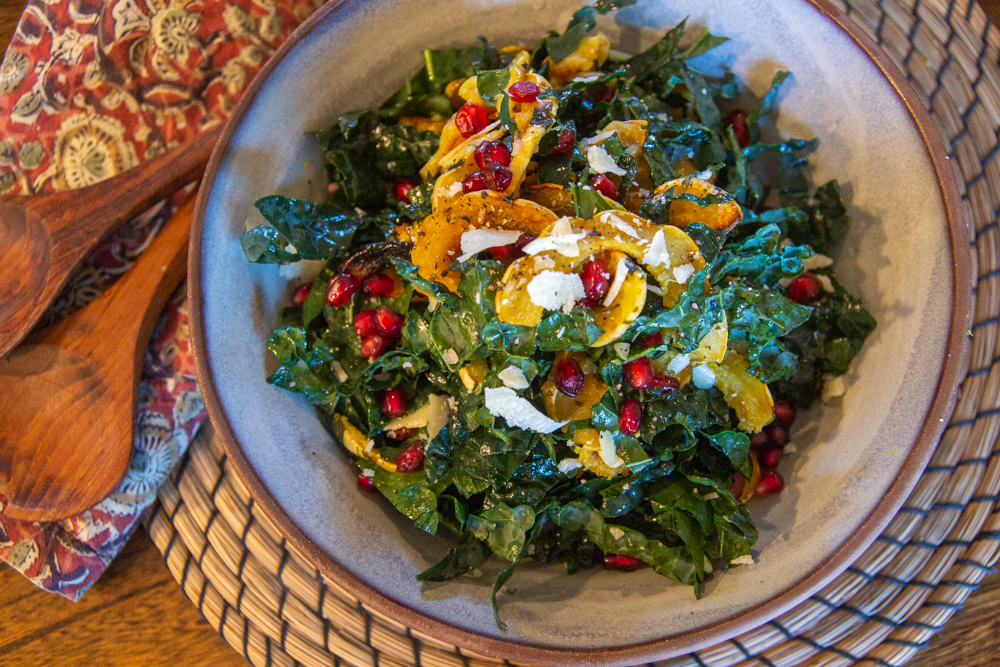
88,89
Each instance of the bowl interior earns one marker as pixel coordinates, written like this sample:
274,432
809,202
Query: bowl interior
897,255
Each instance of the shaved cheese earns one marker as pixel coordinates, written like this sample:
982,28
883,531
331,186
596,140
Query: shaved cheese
825,282
305,270
703,377
679,363
433,414
616,532
567,466
742,560
817,262
683,272
542,263
601,161
657,253
597,139
339,371
622,349
562,240
477,240
654,289
588,76
704,175
710,496
610,218
519,412
608,454
554,290
450,356
513,377
620,274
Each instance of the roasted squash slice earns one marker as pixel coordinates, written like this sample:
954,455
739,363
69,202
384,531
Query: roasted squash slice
437,239
356,443
561,407
587,445
721,216
748,396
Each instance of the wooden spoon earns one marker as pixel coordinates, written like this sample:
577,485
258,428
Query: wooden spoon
68,393
44,237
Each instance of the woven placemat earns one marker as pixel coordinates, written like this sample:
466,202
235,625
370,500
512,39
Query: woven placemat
276,609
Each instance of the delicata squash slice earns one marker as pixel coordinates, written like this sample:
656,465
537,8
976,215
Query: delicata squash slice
722,215
561,407
437,239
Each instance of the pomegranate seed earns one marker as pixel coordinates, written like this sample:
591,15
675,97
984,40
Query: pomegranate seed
474,182
394,403
739,483
512,250
377,284
666,382
492,151
498,177
596,279
569,377
769,483
403,191
524,91
621,563
341,289
401,434
631,418
805,288
567,139
373,346
300,295
760,441
650,341
388,322
365,483
470,119
770,458
411,459
778,435
366,323
606,187
738,120
604,94
784,413
639,373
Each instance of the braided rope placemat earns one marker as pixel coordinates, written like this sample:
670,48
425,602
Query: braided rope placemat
276,609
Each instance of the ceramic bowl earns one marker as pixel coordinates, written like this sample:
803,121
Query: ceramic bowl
907,253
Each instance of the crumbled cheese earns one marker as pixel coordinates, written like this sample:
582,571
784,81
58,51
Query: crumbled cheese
368,472
611,218
833,387
742,560
339,371
407,365
290,249
608,453
683,272
654,289
621,272
433,414
825,282
589,76
597,139
790,448
562,240
679,363
817,261
657,253
475,241
601,161
450,356
542,263
454,189
519,412
616,532
566,466
554,290
305,270
513,377
704,175
622,350
703,377
432,304
710,496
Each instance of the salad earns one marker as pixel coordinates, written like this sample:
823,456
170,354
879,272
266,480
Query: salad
564,303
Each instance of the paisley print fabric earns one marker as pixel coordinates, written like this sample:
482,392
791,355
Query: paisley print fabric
88,89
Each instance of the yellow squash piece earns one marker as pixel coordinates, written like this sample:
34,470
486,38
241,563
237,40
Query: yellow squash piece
748,396
356,443
751,484
713,345
721,217
591,52
446,192
587,445
561,407
437,239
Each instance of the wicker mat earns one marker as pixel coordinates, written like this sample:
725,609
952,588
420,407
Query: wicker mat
276,609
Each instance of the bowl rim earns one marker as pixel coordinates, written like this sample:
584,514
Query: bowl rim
953,371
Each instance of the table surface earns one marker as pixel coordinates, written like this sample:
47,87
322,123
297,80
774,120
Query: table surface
137,615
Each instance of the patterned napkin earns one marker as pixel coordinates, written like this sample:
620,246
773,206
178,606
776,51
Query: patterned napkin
87,90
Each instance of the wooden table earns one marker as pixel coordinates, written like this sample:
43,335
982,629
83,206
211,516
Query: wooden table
136,614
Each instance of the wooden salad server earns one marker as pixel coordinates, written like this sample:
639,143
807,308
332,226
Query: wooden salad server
44,238
68,393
